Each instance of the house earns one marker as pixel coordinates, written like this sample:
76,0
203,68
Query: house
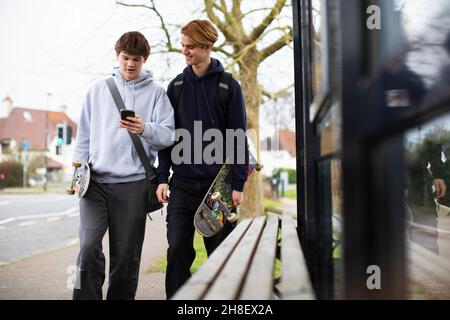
26,133
287,141
278,151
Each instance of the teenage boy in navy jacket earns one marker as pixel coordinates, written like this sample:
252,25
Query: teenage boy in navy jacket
198,104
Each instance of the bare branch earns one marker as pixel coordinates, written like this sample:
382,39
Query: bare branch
222,50
209,4
152,7
277,45
223,9
267,20
236,10
253,11
133,5
275,95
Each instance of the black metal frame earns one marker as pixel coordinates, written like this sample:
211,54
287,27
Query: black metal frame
371,156
314,219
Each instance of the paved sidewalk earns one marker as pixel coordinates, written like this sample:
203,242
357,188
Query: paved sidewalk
46,276
289,204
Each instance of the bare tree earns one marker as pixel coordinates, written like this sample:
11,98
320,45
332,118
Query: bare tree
244,48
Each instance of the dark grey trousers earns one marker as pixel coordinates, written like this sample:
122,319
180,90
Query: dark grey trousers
185,197
121,208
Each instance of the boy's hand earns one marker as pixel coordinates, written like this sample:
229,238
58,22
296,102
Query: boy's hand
440,188
133,124
161,193
237,197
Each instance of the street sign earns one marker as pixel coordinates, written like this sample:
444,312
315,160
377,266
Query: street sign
25,145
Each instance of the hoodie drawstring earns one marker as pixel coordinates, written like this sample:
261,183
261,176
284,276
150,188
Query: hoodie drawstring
132,95
124,97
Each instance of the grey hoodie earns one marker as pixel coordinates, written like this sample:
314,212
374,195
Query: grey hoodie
107,145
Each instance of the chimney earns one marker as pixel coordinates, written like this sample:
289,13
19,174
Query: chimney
7,106
63,108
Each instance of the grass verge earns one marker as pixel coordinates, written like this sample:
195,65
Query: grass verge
200,257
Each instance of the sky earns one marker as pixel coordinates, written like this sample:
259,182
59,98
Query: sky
59,47
52,50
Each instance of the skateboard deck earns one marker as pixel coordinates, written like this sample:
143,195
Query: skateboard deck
217,205
82,177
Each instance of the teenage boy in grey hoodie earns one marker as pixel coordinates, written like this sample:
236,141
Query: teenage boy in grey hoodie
118,191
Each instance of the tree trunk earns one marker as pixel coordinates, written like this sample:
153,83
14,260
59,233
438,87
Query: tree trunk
252,205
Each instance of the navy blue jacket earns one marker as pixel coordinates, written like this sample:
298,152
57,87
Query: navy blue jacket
199,101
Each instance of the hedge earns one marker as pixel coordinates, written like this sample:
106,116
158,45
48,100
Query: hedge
13,172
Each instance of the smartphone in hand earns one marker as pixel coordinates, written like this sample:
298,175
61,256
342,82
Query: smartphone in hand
124,113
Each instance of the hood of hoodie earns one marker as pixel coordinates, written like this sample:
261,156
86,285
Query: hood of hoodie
214,68
127,88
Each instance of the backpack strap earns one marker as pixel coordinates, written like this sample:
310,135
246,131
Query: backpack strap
148,166
224,93
177,88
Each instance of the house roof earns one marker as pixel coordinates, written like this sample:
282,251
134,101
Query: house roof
29,124
53,164
287,141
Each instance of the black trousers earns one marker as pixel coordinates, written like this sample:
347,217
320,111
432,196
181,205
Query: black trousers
185,197
121,208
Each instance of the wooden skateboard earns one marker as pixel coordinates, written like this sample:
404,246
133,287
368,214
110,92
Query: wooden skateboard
217,204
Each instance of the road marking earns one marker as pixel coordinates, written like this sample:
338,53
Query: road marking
23,224
54,219
429,228
4,202
7,220
70,210
73,242
41,216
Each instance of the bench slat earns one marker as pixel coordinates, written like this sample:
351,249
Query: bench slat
295,282
259,282
196,286
228,284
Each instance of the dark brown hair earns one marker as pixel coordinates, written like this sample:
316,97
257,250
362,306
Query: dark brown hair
201,32
133,43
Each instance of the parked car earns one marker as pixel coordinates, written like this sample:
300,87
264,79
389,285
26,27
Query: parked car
36,180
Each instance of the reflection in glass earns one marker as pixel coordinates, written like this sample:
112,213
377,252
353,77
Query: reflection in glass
319,55
336,211
427,197
330,131
414,75
415,50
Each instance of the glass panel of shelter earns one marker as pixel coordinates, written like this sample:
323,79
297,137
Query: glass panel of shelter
414,75
427,197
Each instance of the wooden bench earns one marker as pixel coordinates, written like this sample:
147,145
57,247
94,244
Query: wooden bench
242,267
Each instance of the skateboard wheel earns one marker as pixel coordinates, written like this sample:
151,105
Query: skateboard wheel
216,196
76,164
258,167
70,191
232,217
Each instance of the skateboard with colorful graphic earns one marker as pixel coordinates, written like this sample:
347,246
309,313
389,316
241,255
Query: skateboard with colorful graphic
217,205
